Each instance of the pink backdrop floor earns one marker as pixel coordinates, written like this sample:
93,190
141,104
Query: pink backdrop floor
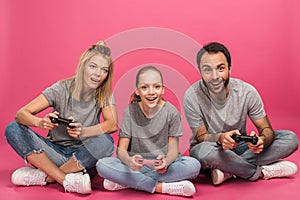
274,189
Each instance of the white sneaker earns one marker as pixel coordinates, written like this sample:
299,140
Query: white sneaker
181,188
77,182
218,176
28,176
112,186
279,169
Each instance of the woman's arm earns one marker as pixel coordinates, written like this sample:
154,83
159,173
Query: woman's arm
26,115
109,124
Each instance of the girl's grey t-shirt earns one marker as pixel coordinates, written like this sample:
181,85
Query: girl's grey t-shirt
85,112
149,137
243,100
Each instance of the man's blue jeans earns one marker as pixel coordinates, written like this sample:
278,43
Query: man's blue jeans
241,161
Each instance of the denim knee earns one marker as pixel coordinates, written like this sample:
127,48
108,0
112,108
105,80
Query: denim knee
9,131
290,138
94,149
103,165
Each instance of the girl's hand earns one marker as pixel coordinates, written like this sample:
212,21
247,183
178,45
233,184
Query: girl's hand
161,169
133,164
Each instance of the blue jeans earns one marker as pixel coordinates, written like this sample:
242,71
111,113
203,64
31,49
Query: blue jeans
146,178
25,141
241,161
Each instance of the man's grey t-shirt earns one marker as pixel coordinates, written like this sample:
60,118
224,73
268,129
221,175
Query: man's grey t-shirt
243,100
85,112
149,137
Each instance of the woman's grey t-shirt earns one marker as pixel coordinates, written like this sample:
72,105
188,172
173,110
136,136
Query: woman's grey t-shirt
243,100
85,112
149,137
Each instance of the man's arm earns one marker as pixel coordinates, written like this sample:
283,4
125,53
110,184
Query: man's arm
265,130
223,139
202,135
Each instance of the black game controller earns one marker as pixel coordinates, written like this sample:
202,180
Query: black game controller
238,138
62,121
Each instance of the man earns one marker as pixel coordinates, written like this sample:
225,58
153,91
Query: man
216,108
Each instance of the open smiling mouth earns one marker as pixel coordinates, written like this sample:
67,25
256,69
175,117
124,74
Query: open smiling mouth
151,98
95,80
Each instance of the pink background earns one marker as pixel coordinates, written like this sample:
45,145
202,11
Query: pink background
41,42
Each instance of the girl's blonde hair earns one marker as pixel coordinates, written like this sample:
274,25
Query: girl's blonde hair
104,92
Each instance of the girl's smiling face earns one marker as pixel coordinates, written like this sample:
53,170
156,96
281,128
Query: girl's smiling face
150,89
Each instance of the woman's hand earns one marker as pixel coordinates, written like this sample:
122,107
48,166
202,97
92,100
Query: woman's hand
45,122
76,130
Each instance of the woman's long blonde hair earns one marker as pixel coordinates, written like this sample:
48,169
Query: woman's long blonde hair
104,92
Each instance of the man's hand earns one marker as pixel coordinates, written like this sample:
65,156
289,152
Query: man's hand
258,148
226,140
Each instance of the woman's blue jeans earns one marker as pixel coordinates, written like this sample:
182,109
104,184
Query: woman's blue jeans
25,141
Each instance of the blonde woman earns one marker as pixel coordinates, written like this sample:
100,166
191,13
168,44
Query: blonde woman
79,139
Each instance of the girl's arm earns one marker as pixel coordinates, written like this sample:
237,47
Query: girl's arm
172,150
122,153
170,157
122,150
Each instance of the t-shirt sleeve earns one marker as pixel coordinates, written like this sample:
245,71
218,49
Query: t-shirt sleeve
255,105
192,110
53,93
125,129
175,128
111,101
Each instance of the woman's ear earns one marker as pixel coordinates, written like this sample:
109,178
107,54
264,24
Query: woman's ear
137,92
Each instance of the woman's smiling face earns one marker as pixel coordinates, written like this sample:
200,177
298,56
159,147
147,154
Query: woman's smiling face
95,72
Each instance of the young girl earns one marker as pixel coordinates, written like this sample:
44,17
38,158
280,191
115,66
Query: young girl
72,147
150,130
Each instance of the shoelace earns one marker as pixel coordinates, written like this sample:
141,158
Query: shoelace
72,185
34,178
273,171
176,189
